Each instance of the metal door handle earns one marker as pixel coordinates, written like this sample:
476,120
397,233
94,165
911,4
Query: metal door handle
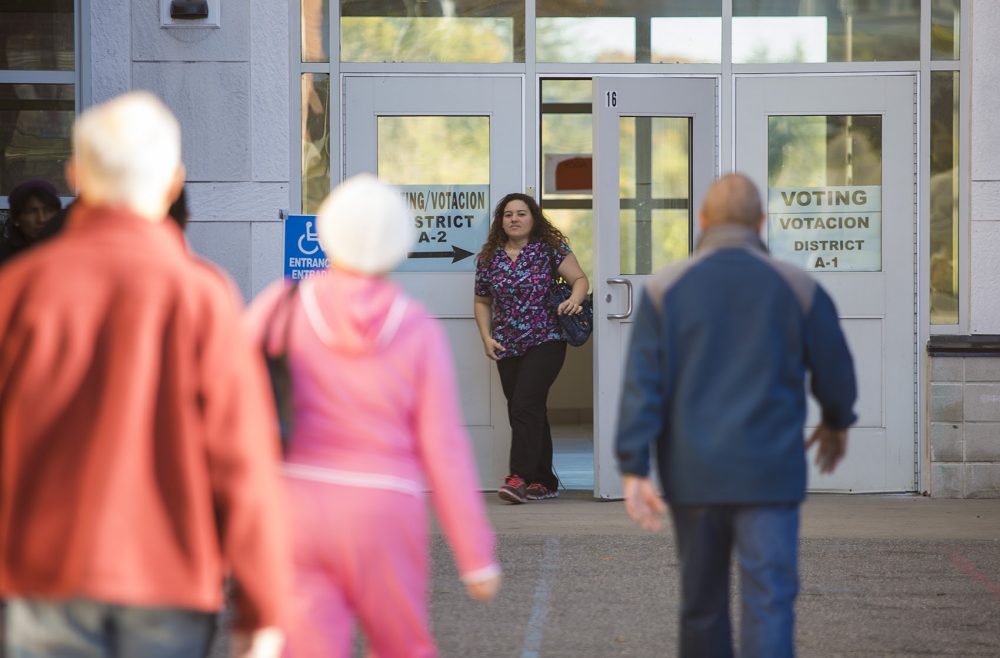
628,302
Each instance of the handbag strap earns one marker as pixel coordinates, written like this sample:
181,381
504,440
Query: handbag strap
286,302
555,267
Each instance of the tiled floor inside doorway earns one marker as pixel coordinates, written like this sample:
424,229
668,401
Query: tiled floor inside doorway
573,456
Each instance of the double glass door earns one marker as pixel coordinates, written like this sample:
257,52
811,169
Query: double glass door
833,157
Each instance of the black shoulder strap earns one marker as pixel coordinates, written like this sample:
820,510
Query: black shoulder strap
286,302
555,266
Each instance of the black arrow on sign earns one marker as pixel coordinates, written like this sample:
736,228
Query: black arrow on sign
456,254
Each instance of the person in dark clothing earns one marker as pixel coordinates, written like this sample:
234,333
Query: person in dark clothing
520,331
715,380
178,210
33,204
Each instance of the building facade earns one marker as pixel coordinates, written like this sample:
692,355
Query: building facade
869,125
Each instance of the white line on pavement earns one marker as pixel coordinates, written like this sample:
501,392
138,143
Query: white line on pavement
542,602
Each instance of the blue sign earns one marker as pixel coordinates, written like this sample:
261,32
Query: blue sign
303,255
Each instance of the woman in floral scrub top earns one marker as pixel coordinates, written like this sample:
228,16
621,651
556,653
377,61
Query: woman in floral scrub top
521,333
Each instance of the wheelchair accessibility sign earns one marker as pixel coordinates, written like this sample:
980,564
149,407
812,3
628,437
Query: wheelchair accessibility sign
303,255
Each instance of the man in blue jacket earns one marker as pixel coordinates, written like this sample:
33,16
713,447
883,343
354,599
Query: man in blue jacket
715,379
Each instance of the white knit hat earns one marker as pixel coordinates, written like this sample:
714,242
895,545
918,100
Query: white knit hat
364,226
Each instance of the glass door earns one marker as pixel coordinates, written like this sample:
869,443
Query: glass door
834,157
453,147
654,156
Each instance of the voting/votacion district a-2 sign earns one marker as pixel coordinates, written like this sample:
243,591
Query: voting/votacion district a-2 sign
451,222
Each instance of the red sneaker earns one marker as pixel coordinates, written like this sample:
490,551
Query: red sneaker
513,490
538,491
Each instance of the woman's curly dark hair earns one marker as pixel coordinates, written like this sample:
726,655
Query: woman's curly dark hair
542,230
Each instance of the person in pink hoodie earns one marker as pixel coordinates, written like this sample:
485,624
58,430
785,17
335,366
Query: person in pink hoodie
376,423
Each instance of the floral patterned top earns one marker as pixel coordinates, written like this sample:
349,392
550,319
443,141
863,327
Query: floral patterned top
522,317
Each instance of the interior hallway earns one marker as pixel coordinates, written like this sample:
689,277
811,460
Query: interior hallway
573,456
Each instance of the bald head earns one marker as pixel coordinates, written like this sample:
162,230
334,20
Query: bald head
732,199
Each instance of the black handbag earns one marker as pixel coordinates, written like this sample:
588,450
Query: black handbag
576,328
278,370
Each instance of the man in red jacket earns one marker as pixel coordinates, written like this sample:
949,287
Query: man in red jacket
138,449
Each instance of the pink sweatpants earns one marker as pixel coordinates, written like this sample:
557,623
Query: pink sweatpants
359,553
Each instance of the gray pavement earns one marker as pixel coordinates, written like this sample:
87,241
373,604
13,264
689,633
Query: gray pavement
881,576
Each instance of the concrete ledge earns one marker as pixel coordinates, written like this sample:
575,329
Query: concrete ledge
971,345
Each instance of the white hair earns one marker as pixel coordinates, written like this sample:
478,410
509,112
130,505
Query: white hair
127,152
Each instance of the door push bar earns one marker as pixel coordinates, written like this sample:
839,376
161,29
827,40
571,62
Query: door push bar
628,302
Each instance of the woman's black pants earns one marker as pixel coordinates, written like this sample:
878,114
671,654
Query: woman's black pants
526,380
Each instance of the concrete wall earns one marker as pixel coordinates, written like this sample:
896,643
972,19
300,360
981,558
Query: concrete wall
984,205
964,392
229,88
964,431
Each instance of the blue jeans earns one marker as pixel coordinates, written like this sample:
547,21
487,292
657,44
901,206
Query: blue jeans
83,628
766,539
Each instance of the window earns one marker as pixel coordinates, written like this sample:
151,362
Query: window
631,31
945,19
944,185
567,141
315,140
37,91
466,31
793,31
654,179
